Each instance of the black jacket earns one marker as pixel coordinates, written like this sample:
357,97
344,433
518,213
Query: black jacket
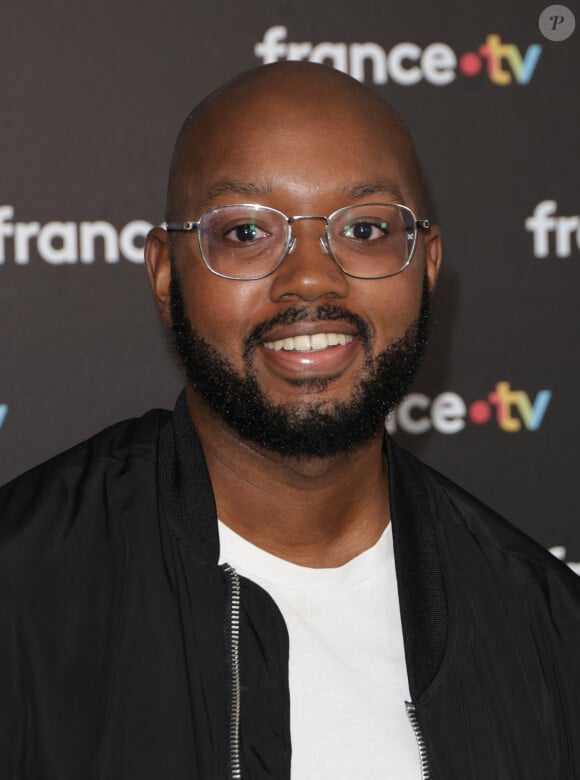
116,657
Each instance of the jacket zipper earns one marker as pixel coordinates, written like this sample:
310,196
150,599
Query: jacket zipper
234,637
412,715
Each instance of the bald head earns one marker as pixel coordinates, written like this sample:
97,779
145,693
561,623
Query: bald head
280,112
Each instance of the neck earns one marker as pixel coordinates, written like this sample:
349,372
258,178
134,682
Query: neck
318,512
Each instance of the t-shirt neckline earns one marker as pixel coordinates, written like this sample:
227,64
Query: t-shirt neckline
250,560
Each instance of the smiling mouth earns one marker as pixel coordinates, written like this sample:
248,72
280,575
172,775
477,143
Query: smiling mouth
315,342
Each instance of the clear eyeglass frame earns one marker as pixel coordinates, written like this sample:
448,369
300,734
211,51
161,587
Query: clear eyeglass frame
412,226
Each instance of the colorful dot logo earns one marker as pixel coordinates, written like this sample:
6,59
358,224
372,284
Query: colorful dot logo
504,61
511,410
470,63
479,412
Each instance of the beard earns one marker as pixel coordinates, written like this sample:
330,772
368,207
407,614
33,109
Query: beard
299,428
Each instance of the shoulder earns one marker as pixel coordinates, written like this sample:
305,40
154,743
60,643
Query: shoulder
69,530
80,485
468,524
499,581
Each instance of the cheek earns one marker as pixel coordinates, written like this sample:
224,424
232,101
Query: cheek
393,306
222,311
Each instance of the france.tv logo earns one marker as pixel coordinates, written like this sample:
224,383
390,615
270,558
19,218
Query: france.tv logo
511,410
503,61
407,63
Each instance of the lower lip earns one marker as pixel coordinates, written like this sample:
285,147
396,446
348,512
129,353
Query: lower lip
327,362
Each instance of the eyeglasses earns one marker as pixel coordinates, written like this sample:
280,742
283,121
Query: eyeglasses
249,241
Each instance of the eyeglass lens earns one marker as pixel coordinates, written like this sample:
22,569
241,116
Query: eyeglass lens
368,240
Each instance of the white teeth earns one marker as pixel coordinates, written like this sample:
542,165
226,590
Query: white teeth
319,341
314,343
301,343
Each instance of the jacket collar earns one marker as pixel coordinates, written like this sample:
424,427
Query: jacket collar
185,486
421,587
188,499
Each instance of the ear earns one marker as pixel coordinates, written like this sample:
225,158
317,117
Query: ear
433,255
158,262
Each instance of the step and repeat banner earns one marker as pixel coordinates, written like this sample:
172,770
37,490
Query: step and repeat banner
92,98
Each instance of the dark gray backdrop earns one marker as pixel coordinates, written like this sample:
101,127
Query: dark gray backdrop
92,98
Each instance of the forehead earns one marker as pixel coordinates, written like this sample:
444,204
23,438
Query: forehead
295,143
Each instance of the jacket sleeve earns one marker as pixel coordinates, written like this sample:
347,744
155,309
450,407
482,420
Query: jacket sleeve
15,725
61,561
556,638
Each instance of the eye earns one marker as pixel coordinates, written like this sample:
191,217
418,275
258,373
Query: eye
246,232
366,230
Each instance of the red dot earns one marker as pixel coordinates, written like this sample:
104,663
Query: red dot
479,412
470,63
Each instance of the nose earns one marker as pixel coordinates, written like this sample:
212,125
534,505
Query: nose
308,272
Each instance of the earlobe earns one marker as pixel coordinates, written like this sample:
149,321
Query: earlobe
158,262
433,255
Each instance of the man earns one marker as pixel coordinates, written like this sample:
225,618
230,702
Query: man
144,638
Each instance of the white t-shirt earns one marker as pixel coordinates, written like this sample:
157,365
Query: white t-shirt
347,673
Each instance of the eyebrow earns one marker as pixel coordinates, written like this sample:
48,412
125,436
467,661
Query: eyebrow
362,189
234,187
359,189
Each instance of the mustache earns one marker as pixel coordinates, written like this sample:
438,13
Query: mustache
325,311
